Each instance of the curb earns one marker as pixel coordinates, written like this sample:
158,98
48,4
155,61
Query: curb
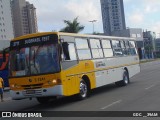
6,89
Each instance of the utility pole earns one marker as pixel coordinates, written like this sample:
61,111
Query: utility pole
93,21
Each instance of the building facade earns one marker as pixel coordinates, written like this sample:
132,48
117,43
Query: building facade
113,16
24,17
6,25
157,42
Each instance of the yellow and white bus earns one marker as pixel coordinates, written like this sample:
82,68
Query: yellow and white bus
51,64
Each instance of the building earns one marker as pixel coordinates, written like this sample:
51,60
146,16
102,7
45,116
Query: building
6,25
113,16
134,33
149,43
157,42
24,17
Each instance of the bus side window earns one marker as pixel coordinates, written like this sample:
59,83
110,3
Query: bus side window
133,50
127,47
107,48
83,50
69,51
96,48
124,50
117,48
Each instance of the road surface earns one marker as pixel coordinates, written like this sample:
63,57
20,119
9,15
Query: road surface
142,94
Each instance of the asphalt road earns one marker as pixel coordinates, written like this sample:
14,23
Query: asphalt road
142,94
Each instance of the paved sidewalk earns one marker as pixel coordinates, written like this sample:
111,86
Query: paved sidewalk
6,96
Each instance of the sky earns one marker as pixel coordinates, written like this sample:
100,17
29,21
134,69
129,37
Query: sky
143,14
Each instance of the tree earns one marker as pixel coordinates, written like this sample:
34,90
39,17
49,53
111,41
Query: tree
72,26
97,33
148,50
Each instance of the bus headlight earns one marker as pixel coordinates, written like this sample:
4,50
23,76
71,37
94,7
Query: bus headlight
12,86
54,81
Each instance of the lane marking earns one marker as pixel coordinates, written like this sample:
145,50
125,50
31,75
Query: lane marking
147,88
116,102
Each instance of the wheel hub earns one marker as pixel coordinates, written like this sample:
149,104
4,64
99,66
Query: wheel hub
83,89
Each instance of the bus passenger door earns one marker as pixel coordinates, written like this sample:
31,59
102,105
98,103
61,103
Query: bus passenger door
69,62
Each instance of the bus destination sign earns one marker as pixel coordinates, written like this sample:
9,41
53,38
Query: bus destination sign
35,41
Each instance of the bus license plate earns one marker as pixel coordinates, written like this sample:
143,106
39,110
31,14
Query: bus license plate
30,91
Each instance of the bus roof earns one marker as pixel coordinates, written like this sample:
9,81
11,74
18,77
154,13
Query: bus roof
94,36
70,34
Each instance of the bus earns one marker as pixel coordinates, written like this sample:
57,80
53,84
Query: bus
4,68
52,64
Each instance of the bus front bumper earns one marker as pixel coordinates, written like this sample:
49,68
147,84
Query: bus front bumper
43,92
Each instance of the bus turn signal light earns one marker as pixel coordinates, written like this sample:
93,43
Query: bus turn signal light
15,86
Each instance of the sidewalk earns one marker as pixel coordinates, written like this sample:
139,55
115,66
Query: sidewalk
6,95
148,60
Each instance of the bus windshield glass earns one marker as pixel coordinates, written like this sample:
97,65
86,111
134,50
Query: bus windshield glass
34,60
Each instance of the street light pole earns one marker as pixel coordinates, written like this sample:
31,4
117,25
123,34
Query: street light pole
92,21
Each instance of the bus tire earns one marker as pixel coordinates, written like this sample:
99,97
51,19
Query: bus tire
43,100
125,80
83,90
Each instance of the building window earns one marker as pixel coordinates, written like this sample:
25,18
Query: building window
133,35
139,35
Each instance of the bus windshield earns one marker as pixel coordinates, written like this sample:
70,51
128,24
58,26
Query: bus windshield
33,60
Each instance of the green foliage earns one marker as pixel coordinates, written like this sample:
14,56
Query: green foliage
72,26
97,33
6,50
148,48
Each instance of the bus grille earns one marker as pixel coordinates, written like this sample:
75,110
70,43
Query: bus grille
35,86
30,93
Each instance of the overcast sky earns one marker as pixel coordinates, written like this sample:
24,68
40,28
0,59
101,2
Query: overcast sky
143,14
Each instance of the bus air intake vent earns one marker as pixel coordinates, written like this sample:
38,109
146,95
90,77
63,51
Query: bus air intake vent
34,86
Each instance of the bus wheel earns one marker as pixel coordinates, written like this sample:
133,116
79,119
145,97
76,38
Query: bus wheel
43,100
83,90
125,80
